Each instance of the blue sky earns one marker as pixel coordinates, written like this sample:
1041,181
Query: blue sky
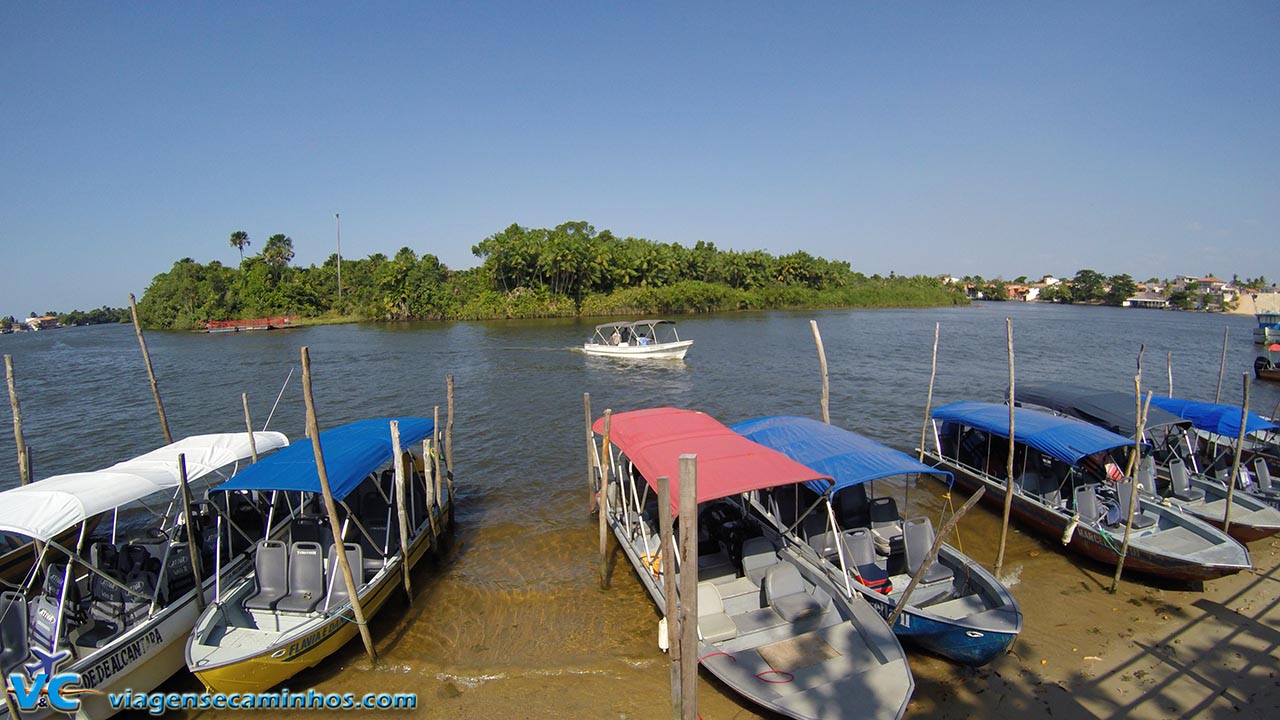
929,137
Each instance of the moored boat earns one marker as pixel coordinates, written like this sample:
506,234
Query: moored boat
1068,487
769,627
293,609
855,534
115,612
1268,330
652,339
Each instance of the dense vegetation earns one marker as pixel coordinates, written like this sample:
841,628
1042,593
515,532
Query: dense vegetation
565,271
99,316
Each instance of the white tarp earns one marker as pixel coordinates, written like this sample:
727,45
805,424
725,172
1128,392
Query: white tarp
45,508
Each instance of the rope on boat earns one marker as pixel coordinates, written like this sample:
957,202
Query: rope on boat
787,677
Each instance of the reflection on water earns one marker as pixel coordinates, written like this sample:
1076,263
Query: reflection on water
518,598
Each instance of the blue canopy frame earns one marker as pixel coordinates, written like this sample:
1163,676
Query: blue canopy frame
847,457
1059,437
351,452
1213,417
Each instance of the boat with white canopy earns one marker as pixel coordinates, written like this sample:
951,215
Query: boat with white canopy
292,609
114,609
769,627
653,339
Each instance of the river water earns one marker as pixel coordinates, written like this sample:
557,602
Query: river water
514,619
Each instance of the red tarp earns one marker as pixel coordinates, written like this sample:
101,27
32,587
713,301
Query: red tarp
728,464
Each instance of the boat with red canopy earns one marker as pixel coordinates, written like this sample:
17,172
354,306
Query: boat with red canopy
769,626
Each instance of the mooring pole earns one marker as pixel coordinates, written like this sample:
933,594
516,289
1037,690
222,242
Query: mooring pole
428,479
1235,464
928,403
340,548
1134,465
1169,364
191,538
24,468
1222,368
605,462
591,451
689,587
933,553
822,364
1008,486
248,425
402,511
448,437
672,605
146,358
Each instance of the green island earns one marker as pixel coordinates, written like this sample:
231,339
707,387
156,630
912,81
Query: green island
567,271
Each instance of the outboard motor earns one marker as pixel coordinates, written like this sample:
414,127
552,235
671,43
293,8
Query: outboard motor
1261,363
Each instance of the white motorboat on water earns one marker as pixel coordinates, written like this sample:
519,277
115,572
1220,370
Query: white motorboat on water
113,609
656,339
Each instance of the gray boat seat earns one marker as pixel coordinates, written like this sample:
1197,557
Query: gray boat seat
714,624
786,593
884,516
758,555
1146,475
337,585
862,556
1141,519
43,623
1262,473
104,556
824,543
270,575
1087,504
306,578
919,540
1180,482
13,631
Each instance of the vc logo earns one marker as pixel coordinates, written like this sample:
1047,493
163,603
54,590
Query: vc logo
47,688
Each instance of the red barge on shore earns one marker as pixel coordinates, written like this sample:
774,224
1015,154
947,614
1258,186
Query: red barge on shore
269,323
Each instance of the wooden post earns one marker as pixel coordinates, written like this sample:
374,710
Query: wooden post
1222,368
24,468
1169,364
428,477
933,553
185,489
928,403
146,358
248,426
604,501
1235,463
448,436
1008,486
822,363
401,509
591,451
689,586
672,605
313,430
1134,464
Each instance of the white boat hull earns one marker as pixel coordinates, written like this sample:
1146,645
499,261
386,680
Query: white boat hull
655,351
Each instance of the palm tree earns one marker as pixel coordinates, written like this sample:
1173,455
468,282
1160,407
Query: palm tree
278,250
239,239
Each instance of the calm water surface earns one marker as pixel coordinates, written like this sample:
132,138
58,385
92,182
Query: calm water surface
518,597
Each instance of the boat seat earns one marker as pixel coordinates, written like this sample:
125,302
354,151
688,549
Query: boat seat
13,632
824,544
337,590
1262,473
862,556
786,593
1180,482
1146,476
270,575
77,609
884,517
179,576
919,540
43,623
714,624
106,611
758,555
310,529
306,578
1141,519
137,601
104,556
1087,504
382,532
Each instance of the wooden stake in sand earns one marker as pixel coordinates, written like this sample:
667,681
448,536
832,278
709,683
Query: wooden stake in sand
24,467
313,431
605,462
448,438
402,511
1008,486
672,604
928,403
822,364
185,489
1135,462
1235,463
248,425
689,587
146,358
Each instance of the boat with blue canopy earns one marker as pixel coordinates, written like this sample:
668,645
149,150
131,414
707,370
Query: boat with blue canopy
1179,471
855,534
293,609
770,626
1068,485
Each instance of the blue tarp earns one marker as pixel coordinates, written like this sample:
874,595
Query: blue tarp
351,452
1060,437
848,458
1212,417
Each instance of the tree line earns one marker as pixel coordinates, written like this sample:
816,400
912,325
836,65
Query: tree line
524,272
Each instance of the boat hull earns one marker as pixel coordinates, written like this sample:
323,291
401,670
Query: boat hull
653,351
1087,541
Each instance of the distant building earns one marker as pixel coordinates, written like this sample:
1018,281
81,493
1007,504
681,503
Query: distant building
1147,300
48,322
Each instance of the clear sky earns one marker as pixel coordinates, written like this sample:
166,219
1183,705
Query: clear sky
924,137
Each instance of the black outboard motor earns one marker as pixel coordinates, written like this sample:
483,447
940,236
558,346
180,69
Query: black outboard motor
1261,363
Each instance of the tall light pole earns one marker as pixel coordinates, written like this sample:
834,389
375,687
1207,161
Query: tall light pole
338,220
